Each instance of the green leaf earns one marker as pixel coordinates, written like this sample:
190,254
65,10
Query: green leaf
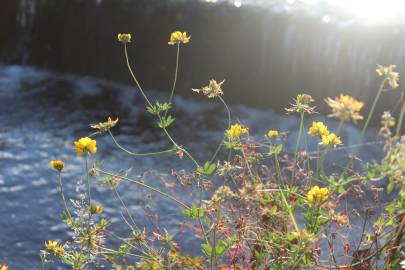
207,169
158,108
390,187
166,121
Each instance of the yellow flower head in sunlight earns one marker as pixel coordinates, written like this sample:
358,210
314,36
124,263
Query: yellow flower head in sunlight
85,145
124,38
301,104
317,195
57,165
345,108
178,37
96,209
318,129
105,126
54,248
273,134
213,89
330,140
3,267
389,74
235,131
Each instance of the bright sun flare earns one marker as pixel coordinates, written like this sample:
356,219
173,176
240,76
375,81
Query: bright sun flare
373,10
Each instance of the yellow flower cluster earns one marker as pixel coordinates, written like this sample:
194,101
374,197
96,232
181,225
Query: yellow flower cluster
85,145
57,164
235,131
327,138
212,90
96,209
345,108
124,38
317,195
54,247
3,267
273,134
331,140
304,235
389,74
318,129
178,37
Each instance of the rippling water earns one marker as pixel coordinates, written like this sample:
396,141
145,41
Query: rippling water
42,113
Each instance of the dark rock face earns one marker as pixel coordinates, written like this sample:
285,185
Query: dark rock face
266,57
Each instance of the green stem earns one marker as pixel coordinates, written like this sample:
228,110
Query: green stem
229,124
150,104
283,196
125,208
400,121
339,127
175,75
138,154
248,165
133,76
297,144
370,114
63,195
148,187
322,160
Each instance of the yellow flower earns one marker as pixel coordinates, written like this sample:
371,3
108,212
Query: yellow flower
178,37
3,267
318,129
345,108
85,145
272,134
389,74
124,38
235,131
57,165
96,209
317,195
54,247
212,90
105,126
330,140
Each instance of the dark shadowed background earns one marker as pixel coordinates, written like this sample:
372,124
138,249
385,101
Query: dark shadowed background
266,54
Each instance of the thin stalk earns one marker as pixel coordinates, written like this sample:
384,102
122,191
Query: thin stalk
247,165
339,127
297,144
138,154
370,114
150,104
318,160
400,121
133,76
125,208
181,148
283,196
148,187
63,195
89,198
175,75
322,160
229,124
